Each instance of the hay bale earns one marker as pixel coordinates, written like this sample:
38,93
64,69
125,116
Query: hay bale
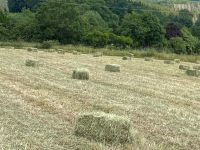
75,53
125,58
184,67
31,63
148,59
193,72
169,62
196,67
112,68
98,54
177,61
61,51
31,49
81,74
103,127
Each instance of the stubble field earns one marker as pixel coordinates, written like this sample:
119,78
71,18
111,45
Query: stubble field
39,106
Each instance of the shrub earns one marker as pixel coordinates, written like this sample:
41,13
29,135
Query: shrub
18,45
112,68
81,74
193,72
178,45
103,127
96,39
184,67
31,63
47,44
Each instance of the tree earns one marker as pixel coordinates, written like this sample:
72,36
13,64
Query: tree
145,29
24,25
196,28
18,5
4,32
185,18
60,20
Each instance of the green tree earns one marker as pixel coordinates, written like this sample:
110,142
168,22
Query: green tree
145,29
18,5
60,20
4,31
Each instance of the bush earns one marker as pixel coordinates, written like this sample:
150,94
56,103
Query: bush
103,127
96,39
46,45
178,45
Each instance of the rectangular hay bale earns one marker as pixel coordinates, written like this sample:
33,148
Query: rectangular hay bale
112,68
103,127
184,67
196,67
193,72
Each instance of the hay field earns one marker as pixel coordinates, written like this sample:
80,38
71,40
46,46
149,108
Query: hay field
38,106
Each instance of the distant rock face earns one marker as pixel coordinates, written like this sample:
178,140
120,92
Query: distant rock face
189,6
192,7
4,4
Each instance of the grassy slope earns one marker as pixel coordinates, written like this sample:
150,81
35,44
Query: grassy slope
38,106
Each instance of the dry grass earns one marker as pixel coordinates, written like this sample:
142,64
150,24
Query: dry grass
38,106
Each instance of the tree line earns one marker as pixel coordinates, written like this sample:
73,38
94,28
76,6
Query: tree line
121,24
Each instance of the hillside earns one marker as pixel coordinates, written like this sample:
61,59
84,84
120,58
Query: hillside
39,105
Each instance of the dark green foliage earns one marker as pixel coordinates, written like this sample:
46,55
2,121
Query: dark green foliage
101,39
18,5
172,30
178,45
184,18
144,29
60,21
99,23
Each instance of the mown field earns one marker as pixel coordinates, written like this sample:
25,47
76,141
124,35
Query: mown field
39,106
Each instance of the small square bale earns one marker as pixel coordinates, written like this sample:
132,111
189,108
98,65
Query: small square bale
31,63
61,51
184,67
103,127
193,72
112,68
169,62
31,49
148,59
81,74
196,67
